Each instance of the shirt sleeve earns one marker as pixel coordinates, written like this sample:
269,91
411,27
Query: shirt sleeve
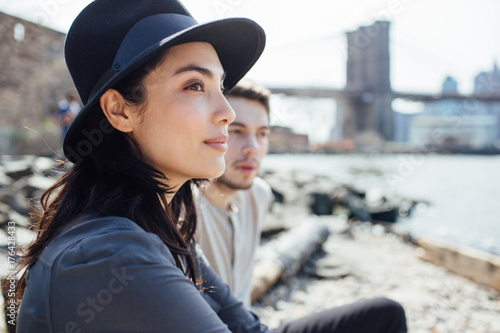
127,281
229,309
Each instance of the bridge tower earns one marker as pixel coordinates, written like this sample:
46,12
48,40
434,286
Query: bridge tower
365,107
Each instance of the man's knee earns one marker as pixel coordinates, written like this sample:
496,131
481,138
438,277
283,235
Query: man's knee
392,311
389,305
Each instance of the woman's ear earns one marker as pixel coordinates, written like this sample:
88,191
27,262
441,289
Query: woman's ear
116,110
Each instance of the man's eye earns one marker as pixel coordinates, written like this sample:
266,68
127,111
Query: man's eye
235,131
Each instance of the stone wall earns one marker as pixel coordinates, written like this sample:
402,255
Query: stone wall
33,78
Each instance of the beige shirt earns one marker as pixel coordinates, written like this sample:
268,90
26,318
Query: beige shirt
229,238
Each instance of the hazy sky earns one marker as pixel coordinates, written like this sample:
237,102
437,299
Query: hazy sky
306,42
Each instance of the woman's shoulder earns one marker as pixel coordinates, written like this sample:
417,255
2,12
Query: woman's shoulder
109,275
90,239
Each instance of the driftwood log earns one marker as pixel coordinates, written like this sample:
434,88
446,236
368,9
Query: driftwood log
285,255
479,266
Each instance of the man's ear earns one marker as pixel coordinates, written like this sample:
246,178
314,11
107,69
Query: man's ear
116,110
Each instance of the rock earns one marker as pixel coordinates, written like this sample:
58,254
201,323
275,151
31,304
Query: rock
4,179
384,213
16,168
327,268
17,202
36,185
43,166
284,185
321,204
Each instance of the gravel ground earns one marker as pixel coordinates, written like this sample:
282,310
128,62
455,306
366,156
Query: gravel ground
381,264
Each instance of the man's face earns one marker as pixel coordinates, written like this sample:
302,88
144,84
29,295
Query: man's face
248,143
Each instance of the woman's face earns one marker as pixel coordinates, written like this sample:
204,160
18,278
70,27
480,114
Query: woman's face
183,129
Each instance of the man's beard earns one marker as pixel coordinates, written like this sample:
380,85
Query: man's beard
226,181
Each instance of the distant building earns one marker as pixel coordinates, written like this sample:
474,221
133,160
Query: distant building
33,77
488,84
284,140
469,132
452,123
402,123
450,86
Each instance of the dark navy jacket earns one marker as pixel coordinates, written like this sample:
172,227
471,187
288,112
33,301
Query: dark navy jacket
108,275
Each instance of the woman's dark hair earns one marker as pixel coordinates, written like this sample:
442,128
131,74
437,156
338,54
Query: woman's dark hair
114,180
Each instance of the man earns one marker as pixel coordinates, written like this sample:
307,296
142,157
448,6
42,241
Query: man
232,208
68,108
230,212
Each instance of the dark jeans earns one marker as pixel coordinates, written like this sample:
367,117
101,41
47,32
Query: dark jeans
377,315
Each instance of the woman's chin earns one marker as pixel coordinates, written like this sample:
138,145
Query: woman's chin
214,170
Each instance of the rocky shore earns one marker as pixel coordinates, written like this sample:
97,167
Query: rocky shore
364,260
361,257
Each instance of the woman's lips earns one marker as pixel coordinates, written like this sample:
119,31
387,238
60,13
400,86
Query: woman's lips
218,143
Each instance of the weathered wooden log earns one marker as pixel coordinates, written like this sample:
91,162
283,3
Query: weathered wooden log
283,256
477,265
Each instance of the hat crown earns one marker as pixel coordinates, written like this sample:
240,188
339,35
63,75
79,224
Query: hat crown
96,34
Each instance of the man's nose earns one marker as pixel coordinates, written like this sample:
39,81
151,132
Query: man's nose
251,145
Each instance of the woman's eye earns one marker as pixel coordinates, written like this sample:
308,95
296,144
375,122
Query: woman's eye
197,86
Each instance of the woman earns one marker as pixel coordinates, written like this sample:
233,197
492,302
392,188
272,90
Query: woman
112,253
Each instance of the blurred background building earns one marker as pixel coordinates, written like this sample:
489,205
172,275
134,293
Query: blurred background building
33,78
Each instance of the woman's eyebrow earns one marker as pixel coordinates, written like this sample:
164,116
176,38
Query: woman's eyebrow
202,70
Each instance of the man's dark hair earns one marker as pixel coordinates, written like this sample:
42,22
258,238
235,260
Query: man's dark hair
252,91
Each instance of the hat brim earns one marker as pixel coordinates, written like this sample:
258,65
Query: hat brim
239,42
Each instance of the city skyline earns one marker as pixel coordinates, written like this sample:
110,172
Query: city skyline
307,45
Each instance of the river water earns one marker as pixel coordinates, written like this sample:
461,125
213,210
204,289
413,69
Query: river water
462,191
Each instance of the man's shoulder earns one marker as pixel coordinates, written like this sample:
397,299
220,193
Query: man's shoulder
260,192
260,186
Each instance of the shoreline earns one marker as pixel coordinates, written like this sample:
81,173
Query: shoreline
457,209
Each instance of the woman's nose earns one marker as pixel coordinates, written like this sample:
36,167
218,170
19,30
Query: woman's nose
224,114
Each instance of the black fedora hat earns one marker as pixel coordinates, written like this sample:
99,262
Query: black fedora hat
111,38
